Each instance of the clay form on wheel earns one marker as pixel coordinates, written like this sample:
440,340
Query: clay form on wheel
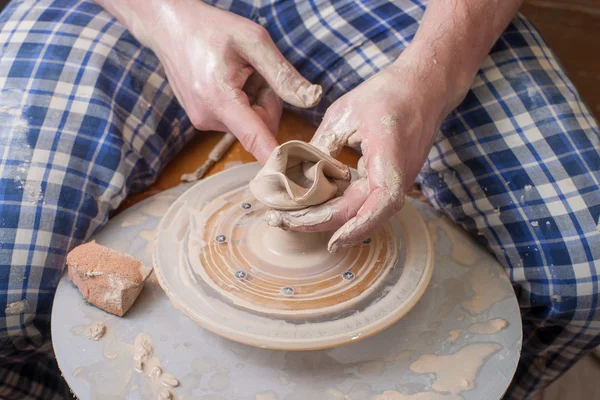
298,175
225,268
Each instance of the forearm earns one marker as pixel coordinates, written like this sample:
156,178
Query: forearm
143,18
454,38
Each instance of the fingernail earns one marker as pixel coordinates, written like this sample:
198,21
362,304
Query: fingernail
337,246
309,94
273,218
336,242
333,247
337,239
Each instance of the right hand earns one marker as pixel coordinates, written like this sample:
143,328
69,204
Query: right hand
225,71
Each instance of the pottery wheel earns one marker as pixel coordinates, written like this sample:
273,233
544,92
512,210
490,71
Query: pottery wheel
225,268
468,288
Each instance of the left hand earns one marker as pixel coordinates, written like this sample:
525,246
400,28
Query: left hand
394,117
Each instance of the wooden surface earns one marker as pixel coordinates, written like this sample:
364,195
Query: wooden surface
572,29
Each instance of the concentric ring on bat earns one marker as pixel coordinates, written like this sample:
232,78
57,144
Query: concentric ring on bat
226,269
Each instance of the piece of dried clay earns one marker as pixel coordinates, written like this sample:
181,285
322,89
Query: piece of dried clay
143,350
96,331
156,372
298,175
165,395
169,380
106,278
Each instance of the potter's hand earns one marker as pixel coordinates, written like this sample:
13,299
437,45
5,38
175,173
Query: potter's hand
393,117
224,69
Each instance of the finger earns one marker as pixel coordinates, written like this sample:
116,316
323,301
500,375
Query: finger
211,125
375,212
264,101
269,107
386,197
252,132
336,130
362,168
287,82
253,86
325,217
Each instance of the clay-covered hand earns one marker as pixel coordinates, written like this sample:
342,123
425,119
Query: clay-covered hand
224,69
393,117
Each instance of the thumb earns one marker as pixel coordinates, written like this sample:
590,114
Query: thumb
335,131
285,80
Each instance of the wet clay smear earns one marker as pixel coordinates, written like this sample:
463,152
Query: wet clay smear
394,395
463,246
487,291
96,331
488,327
456,372
146,363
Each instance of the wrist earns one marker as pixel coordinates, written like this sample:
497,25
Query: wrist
444,78
433,87
131,14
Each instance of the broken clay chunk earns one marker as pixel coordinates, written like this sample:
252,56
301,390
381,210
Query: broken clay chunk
106,278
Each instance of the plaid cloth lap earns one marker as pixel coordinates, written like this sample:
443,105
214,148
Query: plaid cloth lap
87,117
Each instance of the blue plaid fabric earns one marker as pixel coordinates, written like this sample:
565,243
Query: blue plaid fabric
87,117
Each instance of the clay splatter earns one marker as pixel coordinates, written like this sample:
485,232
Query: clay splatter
463,251
268,395
219,381
452,379
453,335
372,368
96,331
18,307
487,290
149,237
146,363
488,327
393,395
133,220
143,350
404,355
445,309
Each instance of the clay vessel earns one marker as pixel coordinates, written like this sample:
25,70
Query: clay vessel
298,175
